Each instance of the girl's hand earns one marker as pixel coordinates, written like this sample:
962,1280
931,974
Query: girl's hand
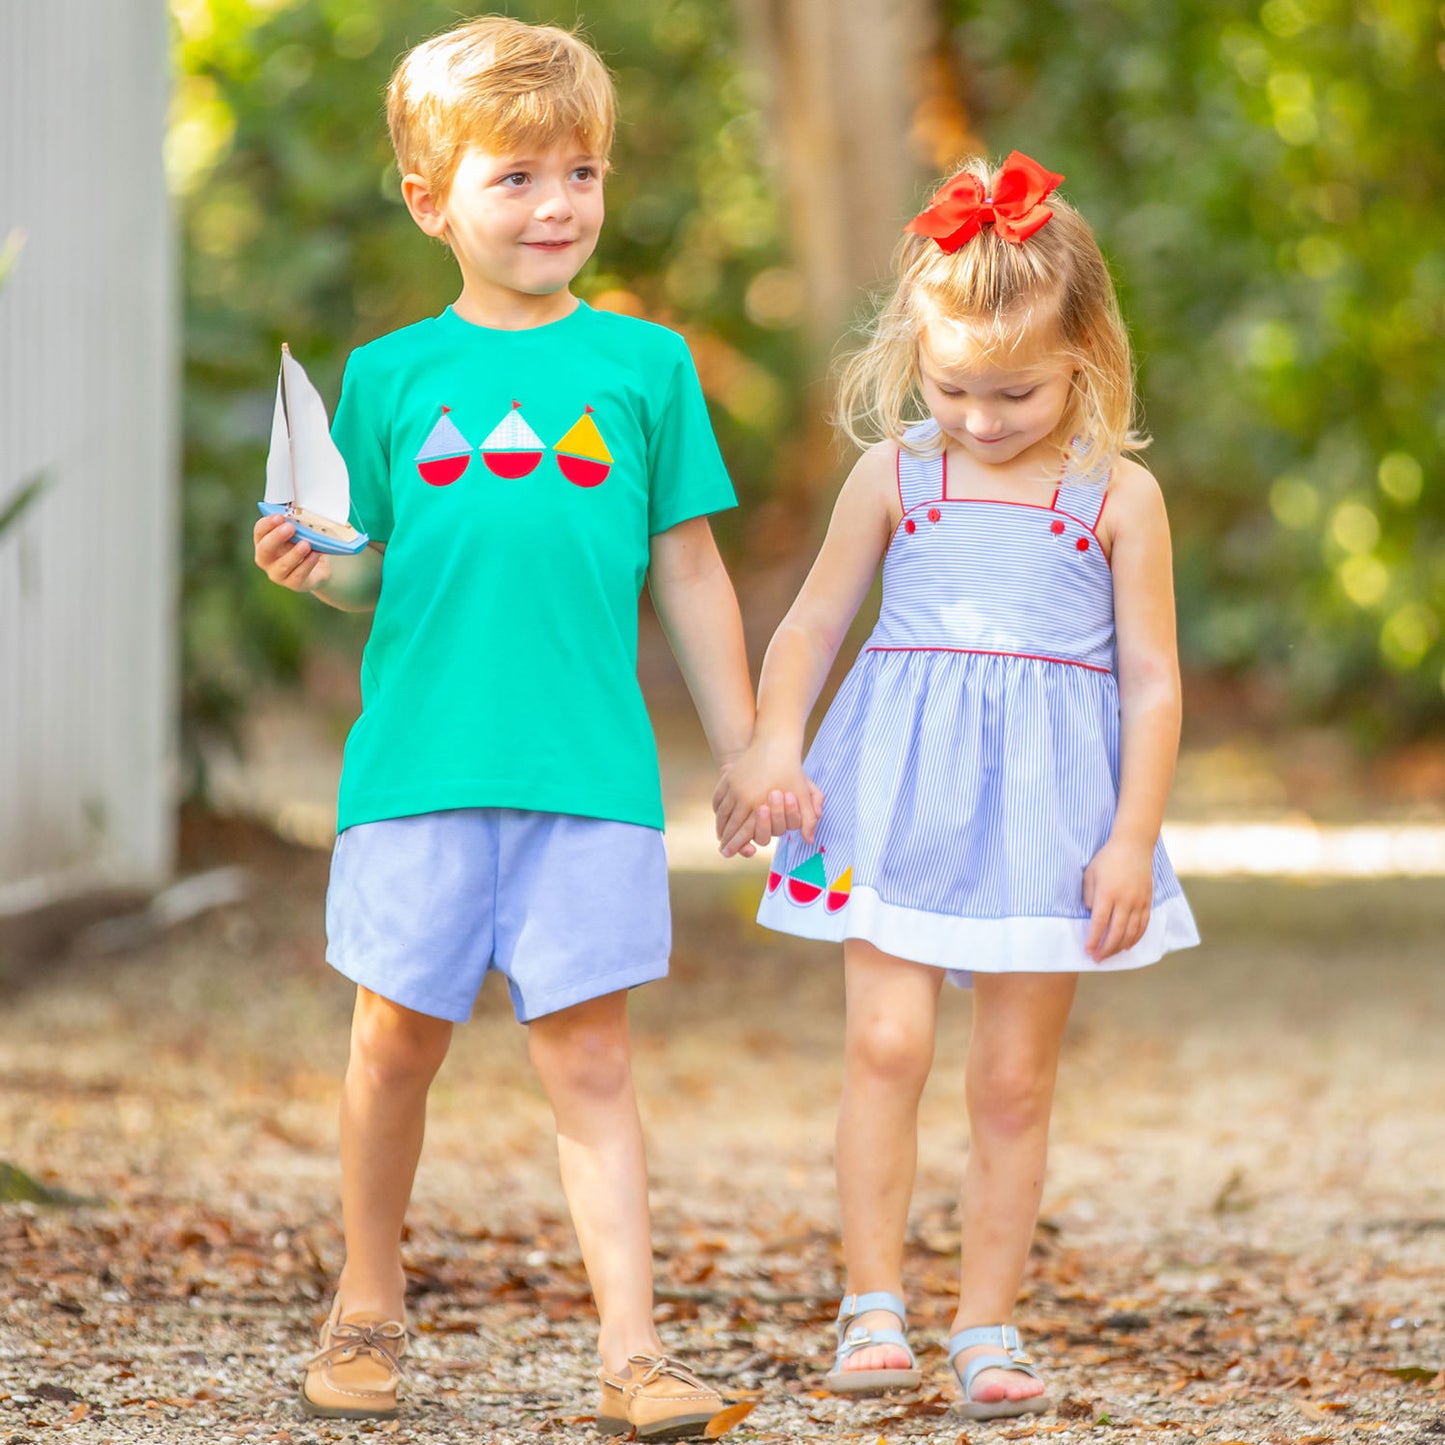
290,565
761,795
1119,894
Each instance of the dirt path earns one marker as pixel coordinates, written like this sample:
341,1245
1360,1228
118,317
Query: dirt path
1243,1233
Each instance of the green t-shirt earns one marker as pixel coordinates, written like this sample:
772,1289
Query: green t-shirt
516,478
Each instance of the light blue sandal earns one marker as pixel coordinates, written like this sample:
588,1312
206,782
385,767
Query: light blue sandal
850,1341
1012,1358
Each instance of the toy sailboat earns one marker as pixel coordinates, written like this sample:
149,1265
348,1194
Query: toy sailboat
306,476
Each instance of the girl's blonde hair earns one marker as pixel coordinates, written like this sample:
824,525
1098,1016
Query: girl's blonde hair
501,84
1006,300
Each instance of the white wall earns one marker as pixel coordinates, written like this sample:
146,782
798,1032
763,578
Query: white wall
88,394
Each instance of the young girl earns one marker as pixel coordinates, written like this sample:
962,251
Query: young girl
984,798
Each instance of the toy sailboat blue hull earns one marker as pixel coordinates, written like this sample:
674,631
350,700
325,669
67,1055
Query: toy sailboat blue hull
319,541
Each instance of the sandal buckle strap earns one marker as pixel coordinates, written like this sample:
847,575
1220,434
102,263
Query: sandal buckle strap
877,1299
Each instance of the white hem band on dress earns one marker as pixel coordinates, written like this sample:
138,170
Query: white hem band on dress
991,945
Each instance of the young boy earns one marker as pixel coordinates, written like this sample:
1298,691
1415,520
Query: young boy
524,463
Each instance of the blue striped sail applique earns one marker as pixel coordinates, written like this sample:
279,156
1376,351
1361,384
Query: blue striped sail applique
445,454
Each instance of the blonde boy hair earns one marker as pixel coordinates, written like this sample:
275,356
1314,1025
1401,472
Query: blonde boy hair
1003,303
500,84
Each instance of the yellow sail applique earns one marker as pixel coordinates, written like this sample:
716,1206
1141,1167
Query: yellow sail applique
582,455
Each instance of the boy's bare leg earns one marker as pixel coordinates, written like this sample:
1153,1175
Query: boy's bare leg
1013,1059
583,1058
395,1054
892,1013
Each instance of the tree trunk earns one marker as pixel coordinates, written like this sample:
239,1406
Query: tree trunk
862,107
863,104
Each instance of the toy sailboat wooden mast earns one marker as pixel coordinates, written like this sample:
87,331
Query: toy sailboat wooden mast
306,476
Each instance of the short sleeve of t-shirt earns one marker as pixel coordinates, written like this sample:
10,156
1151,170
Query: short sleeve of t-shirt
687,475
354,431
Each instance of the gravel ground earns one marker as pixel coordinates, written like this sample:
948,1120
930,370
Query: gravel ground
1243,1237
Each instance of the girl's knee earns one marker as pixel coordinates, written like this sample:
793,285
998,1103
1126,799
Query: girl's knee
890,1050
1010,1099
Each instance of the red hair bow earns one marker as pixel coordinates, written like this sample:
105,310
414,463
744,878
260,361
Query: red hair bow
1016,209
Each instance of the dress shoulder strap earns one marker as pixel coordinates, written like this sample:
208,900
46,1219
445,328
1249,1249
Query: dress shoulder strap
1083,489
920,472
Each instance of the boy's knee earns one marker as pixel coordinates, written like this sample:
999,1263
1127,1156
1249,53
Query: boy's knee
395,1047
588,1060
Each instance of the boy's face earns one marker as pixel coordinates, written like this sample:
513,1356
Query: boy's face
521,223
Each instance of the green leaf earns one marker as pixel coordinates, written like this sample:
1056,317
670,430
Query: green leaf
18,1187
20,500
10,253
1414,1374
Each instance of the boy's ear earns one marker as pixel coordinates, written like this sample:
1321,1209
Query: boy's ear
416,191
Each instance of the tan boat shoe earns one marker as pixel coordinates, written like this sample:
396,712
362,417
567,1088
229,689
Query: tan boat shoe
356,1369
656,1398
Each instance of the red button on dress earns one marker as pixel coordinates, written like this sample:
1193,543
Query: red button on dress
1082,544
934,514
910,526
1056,527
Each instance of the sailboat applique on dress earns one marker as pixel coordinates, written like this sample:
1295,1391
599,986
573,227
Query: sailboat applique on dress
306,476
444,454
512,449
582,454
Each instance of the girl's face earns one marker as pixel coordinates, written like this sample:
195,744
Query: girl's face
999,411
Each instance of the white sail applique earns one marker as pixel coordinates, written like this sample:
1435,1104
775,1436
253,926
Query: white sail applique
512,449
306,476
445,454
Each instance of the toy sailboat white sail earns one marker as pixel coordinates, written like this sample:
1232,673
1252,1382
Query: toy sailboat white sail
305,474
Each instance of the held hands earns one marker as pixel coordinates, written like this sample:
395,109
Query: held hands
288,565
1119,894
762,794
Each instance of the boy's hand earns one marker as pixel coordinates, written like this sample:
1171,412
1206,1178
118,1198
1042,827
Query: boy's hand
288,564
762,795
1119,893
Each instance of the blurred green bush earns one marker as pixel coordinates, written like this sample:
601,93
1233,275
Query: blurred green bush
1267,182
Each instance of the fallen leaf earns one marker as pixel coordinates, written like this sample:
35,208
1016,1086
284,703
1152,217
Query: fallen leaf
79,1412
724,1420
1412,1374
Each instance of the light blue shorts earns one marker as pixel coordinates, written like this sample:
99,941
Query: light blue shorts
565,908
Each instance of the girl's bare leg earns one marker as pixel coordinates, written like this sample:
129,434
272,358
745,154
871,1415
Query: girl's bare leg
892,1011
1013,1057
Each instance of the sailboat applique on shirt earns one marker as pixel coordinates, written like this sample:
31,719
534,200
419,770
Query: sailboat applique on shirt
512,449
306,477
444,454
582,455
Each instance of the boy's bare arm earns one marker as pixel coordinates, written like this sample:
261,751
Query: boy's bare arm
346,583
698,610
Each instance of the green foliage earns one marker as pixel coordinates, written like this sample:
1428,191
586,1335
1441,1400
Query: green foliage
294,230
17,503
1267,182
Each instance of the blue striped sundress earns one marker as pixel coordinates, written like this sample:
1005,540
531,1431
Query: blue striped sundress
970,761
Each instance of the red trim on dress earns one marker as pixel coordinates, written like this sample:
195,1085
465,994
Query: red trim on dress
990,652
